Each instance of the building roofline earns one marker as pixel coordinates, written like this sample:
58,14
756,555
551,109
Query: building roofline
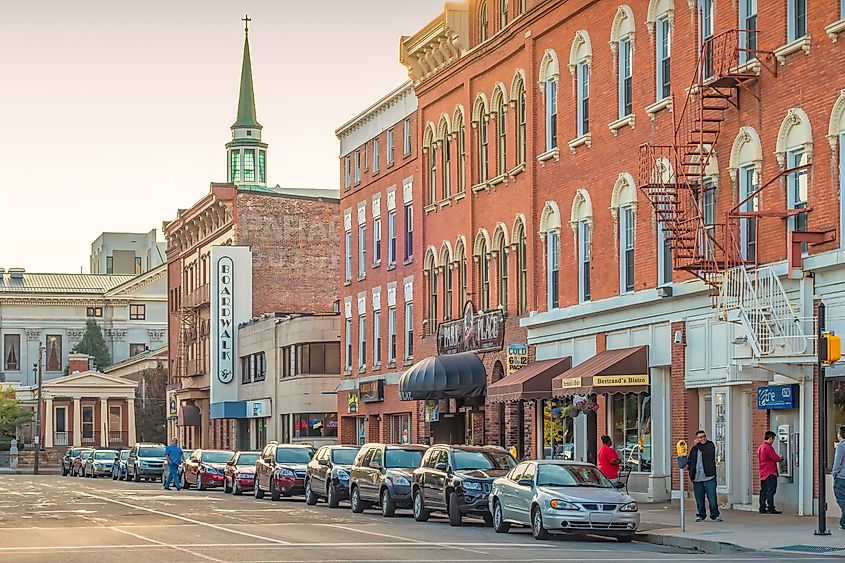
401,90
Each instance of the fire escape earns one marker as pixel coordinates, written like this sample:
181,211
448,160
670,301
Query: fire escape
191,330
674,179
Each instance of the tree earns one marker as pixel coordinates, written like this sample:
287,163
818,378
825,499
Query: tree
150,412
12,414
94,345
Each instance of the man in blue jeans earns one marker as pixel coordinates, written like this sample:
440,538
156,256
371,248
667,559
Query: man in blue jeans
838,473
173,457
702,471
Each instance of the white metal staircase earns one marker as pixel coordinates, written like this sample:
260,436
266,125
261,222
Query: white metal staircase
757,300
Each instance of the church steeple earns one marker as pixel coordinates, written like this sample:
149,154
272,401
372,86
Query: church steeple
247,155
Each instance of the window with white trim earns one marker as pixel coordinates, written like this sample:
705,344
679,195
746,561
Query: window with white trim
432,172
377,240
347,173
406,137
664,255
503,13
483,21
376,339
447,291
362,251
747,30
626,249
409,232
432,298
462,154
551,113
375,155
796,186
503,275
347,363
446,155
625,77
748,225
362,341
584,235
664,57
583,89
348,256
390,147
521,138
552,270
391,237
409,331
796,20
358,166
522,271
391,334
705,34
484,275
482,149
502,138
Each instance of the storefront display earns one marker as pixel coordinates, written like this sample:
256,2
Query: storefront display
558,429
629,422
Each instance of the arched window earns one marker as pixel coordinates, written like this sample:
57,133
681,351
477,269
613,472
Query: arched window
461,262
518,98
549,78
500,243
480,121
446,158
482,21
550,234
623,206
430,144
500,106
659,18
622,45
503,13
482,260
460,133
521,248
431,271
581,221
745,166
520,7
836,137
448,267
794,152
580,65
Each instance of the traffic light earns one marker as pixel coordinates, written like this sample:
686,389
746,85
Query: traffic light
829,348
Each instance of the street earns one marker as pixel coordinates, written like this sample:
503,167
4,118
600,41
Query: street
50,518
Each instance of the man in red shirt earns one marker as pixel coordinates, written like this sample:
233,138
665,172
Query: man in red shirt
768,460
608,459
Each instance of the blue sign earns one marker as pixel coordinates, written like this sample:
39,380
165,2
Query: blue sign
777,397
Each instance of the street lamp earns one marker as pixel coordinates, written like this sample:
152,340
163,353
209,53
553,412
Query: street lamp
37,371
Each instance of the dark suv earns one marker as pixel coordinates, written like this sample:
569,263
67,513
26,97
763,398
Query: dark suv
280,470
382,475
327,474
457,480
145,460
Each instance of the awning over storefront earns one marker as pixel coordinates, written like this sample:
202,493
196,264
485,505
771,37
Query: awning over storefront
614,371
444,377
534,381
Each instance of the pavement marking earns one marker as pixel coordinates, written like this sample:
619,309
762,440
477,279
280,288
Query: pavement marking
361,530
163,544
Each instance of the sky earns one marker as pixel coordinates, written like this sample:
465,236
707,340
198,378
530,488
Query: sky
113,115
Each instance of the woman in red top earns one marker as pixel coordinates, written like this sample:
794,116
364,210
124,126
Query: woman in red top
608,459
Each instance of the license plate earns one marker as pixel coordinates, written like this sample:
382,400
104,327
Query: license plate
601,518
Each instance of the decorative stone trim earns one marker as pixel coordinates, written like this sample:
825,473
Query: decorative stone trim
752,66
459,196
802,44
653,109
615,126
501,178
834,29
516,170
33,335
430,208
583,140
548,155
116,334
75,334
484,186
445,202
156,334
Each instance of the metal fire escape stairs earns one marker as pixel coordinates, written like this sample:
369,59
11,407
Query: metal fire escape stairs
674,179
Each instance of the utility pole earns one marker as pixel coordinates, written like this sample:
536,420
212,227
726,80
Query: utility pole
39,366
822,445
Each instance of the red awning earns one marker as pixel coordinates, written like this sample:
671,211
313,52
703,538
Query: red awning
534,381
613,371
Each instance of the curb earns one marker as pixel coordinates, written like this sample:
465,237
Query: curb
704,546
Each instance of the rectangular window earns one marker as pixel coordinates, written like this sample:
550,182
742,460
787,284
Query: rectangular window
94,312
358,166
249,165
583,98
523,273
409,331
348,256
584,262
11,352
705,34
88,424
462,158
503,279
664,54
235,166
409,232
362,341
551,114
664,256
796,19
748,225
362,251
347,173
390,147
447,293
315,425
377,241
625,78
626,249
135,349
520,126
553,269
347,364
138,265
109,265
391,237
262,166
400,428
137,312
376,339
482,150
630,420
375,156
391,334
366,156
501,148
246,371
747,30
54,352
406,137
796,185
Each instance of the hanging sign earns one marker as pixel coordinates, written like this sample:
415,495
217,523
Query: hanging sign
482,331
517,357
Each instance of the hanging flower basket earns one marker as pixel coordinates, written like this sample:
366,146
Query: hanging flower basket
582,407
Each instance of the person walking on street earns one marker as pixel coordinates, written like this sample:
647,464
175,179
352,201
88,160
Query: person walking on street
838,473
608,459
173,456
702,464
768,461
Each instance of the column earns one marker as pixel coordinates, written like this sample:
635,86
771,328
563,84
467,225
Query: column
77,422
104,418
130,412
48,423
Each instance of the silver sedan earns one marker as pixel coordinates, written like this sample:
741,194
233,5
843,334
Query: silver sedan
562,496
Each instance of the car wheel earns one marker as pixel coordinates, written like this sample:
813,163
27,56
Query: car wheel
226,488
184,484
200,485
455,518
236,489
625,538
420,512
388,507
135,477
355,501
537,528
259,494
499,523
310,497
332,497
274,494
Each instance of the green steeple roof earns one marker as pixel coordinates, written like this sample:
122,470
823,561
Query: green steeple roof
246,99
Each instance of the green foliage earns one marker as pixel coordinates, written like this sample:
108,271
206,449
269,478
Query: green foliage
12,414
150,410
94,345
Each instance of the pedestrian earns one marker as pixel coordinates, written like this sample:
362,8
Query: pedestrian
702,464
768,461
173,457
608,459
838,473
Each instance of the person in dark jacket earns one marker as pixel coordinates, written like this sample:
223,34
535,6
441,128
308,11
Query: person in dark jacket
702,472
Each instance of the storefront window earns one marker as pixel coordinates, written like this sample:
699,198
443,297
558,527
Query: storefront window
558,430
630,429
315,425
719,437
400,428
361,430
835,413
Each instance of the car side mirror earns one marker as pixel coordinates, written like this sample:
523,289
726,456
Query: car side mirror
441,467
323,462
618,485
525,483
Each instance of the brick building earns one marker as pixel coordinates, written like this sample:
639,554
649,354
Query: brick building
683,154
276,224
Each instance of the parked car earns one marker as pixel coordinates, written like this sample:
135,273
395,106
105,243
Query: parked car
562,496
67,459
382,474
280,470
327,474
118,469
204,469
457,480
239,474
145,461
99,463
77,468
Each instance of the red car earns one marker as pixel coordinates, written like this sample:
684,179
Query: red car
239,475
280,470
204,469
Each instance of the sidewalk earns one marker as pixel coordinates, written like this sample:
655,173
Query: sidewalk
741,530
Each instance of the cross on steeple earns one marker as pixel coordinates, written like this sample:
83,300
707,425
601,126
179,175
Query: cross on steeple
246,19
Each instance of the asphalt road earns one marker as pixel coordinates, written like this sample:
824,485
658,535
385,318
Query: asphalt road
64,519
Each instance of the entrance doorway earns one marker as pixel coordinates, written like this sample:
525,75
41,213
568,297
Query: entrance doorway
450,429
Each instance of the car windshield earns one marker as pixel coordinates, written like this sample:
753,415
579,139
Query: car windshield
105,455
344,456
153,451
216,457
293,455
481,460
187,453
248,459
553,475
84,454
74,453
124,454
402,458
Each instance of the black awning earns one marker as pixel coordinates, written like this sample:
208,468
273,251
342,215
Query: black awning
443,377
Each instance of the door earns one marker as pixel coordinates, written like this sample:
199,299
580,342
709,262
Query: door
318,471
436,481
88,425
371,483
508,491
192,467
363,473
523,495
115,425
60,438
746,446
